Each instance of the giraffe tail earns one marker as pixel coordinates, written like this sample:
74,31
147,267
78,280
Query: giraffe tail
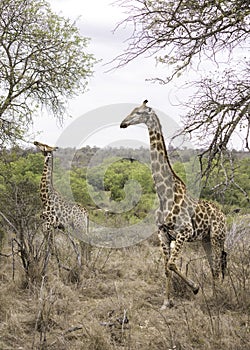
87,225
223,263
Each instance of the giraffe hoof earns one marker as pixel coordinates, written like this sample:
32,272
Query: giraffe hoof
168,304
196,290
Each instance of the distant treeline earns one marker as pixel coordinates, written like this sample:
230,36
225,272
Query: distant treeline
91,156
106,177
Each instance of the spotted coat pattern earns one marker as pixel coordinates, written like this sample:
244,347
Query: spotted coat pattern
180,217
58,212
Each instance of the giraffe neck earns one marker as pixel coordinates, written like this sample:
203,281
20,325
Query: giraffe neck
46,185
163,174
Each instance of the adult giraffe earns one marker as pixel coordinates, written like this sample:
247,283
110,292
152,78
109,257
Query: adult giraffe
59,212
180,217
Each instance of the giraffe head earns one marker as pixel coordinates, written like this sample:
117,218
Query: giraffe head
45,149
139,115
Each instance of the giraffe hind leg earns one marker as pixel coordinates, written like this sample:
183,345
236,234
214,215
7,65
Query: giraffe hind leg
217,260
223,263
208,250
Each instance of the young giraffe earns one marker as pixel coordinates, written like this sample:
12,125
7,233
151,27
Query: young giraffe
180,217
58,212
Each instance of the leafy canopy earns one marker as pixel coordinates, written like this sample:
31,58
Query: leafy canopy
43,62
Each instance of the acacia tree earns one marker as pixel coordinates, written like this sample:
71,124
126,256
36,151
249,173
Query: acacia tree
43,62
185,33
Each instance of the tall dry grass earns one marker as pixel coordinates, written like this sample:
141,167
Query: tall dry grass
114,303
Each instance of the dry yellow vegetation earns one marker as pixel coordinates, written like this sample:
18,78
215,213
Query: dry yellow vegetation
114,302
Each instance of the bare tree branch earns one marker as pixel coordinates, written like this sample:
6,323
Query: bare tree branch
182,35
182,29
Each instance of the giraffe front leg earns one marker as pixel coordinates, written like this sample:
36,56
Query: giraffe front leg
165,245
180,239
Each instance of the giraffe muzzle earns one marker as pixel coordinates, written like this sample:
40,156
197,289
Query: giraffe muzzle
123,125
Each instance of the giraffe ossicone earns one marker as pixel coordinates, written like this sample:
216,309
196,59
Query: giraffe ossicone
180,217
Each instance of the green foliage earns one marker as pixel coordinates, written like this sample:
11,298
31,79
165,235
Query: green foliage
79,187
232,190
116,183
119,178
120,185
19,183
43,62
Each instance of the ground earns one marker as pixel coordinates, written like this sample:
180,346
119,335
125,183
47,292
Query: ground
114,302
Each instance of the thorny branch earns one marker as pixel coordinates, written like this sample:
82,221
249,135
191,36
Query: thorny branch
181,30
182,34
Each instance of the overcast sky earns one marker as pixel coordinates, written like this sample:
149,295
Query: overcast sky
126,86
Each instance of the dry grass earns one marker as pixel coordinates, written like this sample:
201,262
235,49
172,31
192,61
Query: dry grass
115,304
